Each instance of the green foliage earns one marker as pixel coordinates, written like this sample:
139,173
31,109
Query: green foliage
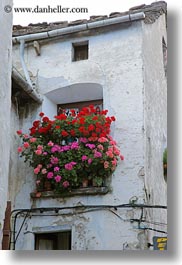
165,156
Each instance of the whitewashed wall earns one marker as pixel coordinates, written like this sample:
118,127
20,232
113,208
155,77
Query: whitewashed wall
5,105
116,64
155,117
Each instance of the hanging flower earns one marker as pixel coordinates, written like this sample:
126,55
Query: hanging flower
65,150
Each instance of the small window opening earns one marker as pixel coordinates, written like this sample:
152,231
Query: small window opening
80,51
77,106
53,241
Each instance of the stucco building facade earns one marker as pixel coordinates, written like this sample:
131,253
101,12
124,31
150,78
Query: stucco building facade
5,106
122,65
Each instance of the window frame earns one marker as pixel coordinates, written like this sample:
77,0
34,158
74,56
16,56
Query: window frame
76,48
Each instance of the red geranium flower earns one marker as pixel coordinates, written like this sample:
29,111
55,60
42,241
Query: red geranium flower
64,133
41,114
45,119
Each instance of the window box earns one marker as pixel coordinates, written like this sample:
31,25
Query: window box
74,192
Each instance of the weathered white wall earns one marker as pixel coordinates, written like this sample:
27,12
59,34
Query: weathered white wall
155,117
115,63
5,105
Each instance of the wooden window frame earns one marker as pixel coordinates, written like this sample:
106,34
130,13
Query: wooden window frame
80,51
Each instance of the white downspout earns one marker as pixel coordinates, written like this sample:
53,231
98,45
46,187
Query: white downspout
27,77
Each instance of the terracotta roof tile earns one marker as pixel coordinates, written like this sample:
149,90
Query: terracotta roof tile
152,12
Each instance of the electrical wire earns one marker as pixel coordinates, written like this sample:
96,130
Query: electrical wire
84,208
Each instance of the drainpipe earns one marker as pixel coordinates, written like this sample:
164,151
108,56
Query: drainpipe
22,47
78,28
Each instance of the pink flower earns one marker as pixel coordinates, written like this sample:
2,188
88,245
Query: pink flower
121,157
66,184
83,140
39,166
75,146
32,140
56,169
114,162
26,145
106,164
38,152
50,175
36,170
109,154
100,146
55,148
25,136
84,158
20,149
91,146
50,143
73,163
102,140
45,153
68,166
54,160
89,161
58,178
39,147
44,171
112,142
116,151
38,182
19,132
97,154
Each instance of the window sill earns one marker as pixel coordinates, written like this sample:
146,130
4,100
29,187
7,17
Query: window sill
71,193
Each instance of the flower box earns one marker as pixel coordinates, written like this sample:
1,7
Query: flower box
67,150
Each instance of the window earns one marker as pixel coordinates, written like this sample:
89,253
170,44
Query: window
77,106
80,51
53,241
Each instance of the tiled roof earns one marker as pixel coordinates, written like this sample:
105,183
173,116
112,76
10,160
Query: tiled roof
152,12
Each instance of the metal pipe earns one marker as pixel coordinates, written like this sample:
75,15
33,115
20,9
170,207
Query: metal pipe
22,47
78,28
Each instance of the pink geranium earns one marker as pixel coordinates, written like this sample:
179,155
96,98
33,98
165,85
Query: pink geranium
20,149
84,157
50,175
66,184
58,178
19,132
36,170
44,171
32,140
26,145
102,140
50,143
38,152
97,154
106,164
56,169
